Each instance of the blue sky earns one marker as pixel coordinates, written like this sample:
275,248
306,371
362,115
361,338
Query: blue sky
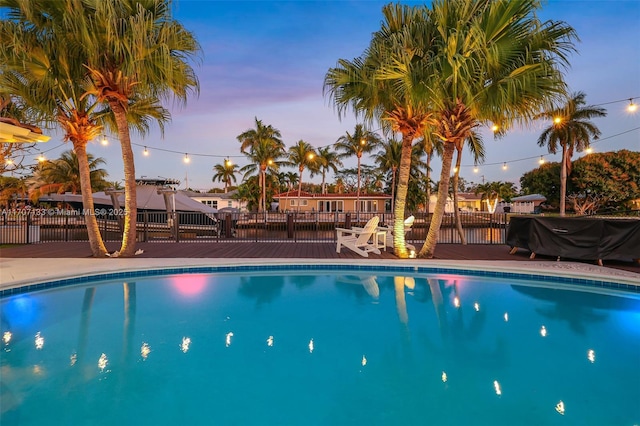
268,59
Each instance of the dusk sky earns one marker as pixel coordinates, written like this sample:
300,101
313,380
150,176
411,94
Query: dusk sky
268,60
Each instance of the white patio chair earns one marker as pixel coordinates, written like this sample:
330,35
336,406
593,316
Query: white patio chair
408,223
361,240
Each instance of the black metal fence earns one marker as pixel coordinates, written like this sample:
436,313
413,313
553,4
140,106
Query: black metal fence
42,225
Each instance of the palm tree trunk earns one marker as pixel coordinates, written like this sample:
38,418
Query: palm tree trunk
429,246
324,187
399,245
128,246
456,211
299,188
428,206
93,230
393,186
563,180
358,193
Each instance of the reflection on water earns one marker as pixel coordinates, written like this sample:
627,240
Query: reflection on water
352,349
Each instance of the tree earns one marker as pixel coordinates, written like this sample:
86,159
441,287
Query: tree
612,176
384,84
388,161
488,62
44,72
492,192
328,160
302,155
360,142
544,180
225,172
474,142
63,175
137,55
263,146
571,131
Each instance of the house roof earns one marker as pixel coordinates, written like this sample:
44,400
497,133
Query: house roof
147,198
529,198
11,130
303,194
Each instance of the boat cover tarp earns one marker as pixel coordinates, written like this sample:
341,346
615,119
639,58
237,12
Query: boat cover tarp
576,238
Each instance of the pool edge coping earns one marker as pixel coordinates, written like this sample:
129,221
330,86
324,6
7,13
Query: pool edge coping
57,270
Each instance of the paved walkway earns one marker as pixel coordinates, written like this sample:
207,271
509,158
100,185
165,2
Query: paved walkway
35,263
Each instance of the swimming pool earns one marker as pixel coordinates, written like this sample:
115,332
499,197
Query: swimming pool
320,346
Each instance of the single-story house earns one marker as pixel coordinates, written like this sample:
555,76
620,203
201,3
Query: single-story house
308,202
218,200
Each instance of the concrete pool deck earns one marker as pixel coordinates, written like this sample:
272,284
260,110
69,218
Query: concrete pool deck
17,272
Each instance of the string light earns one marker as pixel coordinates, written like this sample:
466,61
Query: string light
589,150
631,107
541,161
186,159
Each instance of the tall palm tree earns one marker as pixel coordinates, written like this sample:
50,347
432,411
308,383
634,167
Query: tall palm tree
489,62
359,142
388,161
302,155
264,146
42,68
138,55
225,172
264,155
474,142
328,160
383,84
572,131
454,66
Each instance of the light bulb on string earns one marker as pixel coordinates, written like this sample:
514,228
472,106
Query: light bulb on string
227,162
41,158
632,107
145,152
541,160
104,141
504,166
494,128
475,169
589,150
186,159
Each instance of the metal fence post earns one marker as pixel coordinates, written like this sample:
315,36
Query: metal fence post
28,239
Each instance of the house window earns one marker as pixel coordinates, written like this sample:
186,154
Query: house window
330,206
294,202
229,203
368,205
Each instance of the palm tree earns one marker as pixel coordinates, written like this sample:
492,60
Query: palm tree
489,62
328,160
360,142
265,154
226,173
572,131
137,55
302,155
384,84
474,142
388,160
44,72
265,146
492,192
63,175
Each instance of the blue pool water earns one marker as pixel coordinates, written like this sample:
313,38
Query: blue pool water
319,348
